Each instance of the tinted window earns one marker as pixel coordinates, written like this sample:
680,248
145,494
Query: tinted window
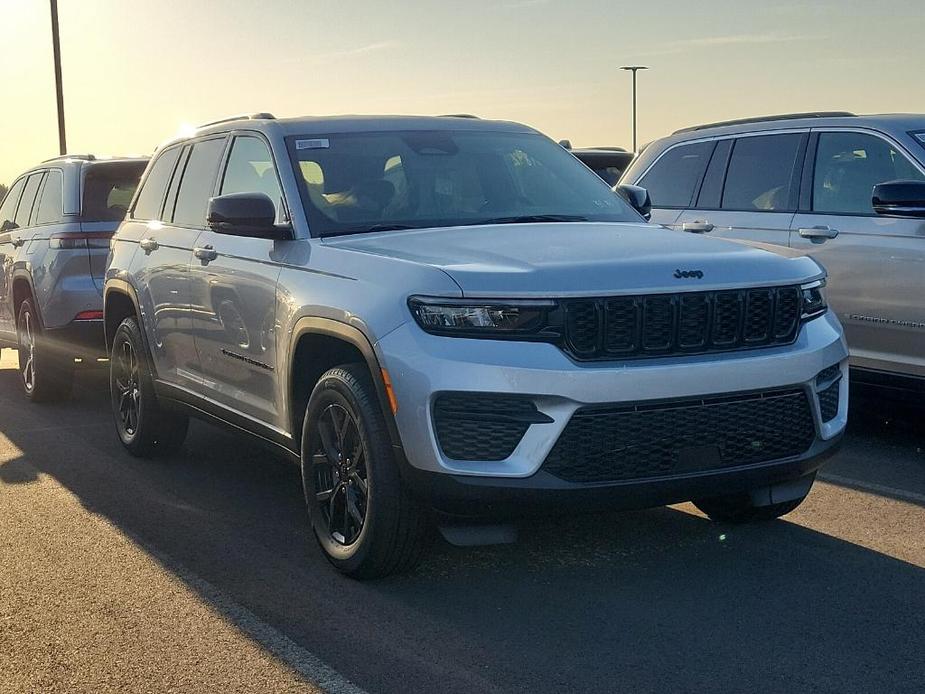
711,191
761,173
849,165
250,170
108,190
24,211
197,183
355,182
673,179
50,207
151,196
8,209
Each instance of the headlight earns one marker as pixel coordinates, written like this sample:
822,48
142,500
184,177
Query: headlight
480,318
814,303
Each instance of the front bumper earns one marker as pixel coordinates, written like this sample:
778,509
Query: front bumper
423,366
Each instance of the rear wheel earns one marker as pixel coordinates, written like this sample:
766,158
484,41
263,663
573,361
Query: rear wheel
364,519
45,375
144,427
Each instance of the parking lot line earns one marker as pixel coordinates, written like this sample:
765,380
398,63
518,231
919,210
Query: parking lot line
872,487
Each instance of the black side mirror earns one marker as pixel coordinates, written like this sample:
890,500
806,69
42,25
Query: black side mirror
900,198
245,214
637,197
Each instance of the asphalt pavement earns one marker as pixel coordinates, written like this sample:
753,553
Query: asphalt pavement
198,573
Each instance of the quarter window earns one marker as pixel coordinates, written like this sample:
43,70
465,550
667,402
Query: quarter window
198,183
151,197
849,165
250,170
8,208
24,211
761,173
50,207
674,177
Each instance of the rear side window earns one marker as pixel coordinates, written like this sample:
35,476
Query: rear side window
711,191
108,190
50,205
674,177
24,211
761,173
198,183
151,196
8,208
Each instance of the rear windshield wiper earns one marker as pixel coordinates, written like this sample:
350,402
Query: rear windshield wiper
531,218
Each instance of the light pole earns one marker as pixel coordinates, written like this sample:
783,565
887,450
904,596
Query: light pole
634,69
56,47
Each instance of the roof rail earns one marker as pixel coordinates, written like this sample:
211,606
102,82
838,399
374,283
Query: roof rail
240,116
458,115
765,119
81,157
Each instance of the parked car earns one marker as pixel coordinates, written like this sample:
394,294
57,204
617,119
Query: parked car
848,190
55,225
451,319
607,162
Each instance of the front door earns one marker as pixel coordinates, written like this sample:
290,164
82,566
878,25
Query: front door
876,264
233,296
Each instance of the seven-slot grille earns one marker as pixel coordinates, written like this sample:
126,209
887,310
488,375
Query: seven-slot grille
688,323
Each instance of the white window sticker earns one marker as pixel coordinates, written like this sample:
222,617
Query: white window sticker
317,143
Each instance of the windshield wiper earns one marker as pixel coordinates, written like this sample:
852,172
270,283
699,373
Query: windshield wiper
533,218
369,229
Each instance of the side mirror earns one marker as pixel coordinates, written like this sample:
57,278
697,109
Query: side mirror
637,197
245,214
900,198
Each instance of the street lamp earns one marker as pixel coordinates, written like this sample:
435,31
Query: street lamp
56,48
634,69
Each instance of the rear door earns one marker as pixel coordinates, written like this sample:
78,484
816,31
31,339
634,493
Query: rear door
7,252
233,283
751,189
876,264
674,179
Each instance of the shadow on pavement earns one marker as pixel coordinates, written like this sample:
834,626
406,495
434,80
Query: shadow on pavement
659,600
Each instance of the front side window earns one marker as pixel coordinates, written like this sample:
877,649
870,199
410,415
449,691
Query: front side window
50,208
674,177
151,197
108,190
376,181
198,183
24,211
761,173
849,165
8,208
250,170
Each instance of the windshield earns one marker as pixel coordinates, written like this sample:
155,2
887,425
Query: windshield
362,182
108,190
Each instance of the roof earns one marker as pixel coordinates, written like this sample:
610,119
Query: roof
887,121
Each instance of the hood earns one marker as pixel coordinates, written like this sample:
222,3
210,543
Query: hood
583,259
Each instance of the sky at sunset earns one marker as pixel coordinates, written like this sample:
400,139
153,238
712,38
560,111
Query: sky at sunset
135,72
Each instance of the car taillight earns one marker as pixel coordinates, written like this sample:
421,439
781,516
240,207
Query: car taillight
90,239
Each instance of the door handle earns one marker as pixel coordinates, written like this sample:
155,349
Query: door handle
18,241
819,234
697,227
149,245
205,253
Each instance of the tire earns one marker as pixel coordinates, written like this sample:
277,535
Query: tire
144,427
367,523
45,376
739,508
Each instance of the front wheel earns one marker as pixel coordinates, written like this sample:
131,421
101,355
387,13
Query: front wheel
144,427
364,519
45,375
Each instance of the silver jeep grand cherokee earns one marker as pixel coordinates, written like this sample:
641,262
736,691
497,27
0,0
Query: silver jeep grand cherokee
452,320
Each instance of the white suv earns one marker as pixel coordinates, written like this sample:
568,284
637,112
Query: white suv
454,320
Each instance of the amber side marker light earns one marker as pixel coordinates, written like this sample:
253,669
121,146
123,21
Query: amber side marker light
389,391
